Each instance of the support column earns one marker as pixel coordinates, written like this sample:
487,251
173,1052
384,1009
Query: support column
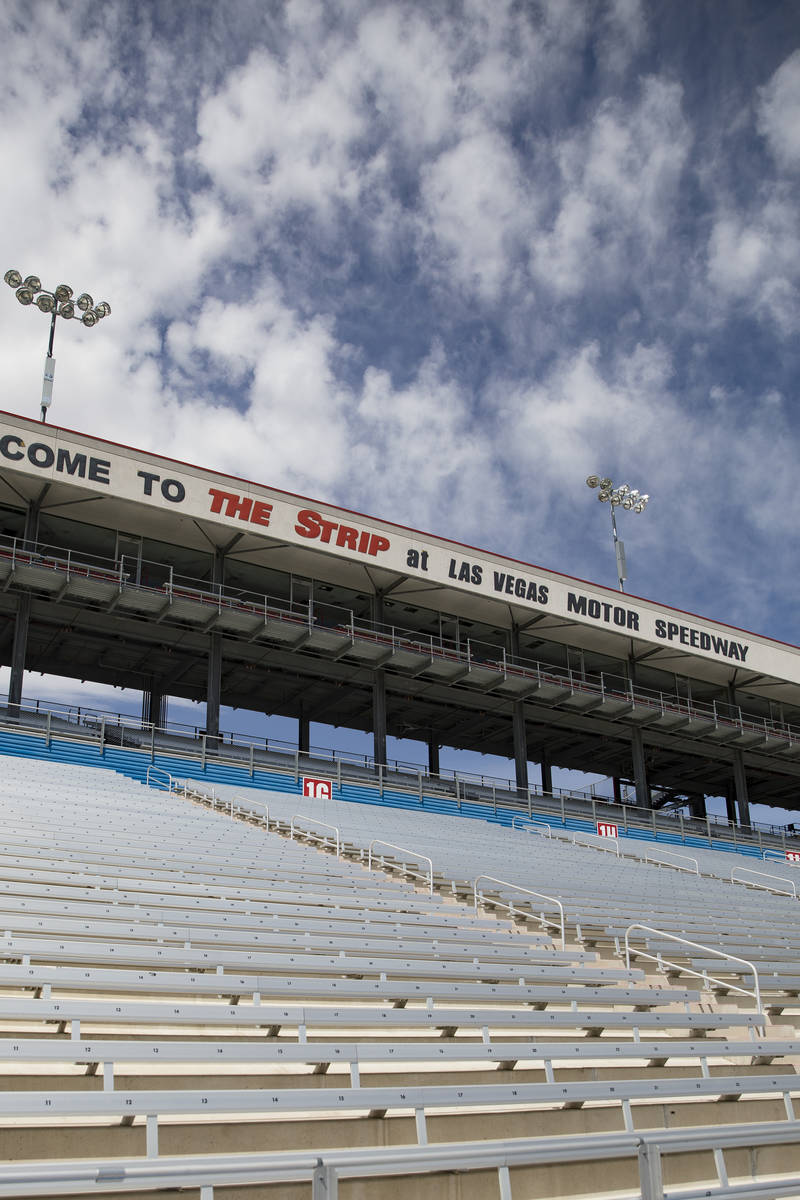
643,798
214,681
303,732
739,777
730,804
154,706
21,625
518,728
378,695
697,807
433,753
214,685
617,785
547,773
740,788
18,652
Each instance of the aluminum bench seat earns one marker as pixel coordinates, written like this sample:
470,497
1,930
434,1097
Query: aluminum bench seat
499,1054
390,944
233,984
134,953
239,923
268,899
594,1021
329,1097
441,923
245,889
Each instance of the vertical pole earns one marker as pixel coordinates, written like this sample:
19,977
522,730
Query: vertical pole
650,1176
730,805
378,694
214,681
740,785
433,753
324,1182
214,686
519,733
21,625
18,653
547,773
303,731
639,769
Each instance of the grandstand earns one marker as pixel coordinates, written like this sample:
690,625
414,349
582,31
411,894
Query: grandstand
235,968
235,992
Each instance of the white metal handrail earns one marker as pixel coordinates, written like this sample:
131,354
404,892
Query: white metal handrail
739,871
529,892
772,855
251,805
312,834
596,842
404,850
152,771
531,826
326,1169
671,854
671,937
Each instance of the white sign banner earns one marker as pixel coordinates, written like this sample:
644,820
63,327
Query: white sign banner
49,453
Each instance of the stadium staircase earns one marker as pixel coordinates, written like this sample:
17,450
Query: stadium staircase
235,992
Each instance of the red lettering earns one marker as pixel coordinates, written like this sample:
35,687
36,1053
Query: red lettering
326,528
261,513
307,524
219,498
235,506
311,525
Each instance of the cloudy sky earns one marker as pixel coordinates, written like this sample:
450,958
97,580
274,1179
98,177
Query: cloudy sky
436,261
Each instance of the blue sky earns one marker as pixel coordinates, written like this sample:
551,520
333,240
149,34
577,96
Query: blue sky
434,261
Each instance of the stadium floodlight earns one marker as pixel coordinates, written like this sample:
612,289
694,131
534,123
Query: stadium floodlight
57,303
631,500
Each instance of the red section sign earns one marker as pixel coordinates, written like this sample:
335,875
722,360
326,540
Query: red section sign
607,829
793,856
317,789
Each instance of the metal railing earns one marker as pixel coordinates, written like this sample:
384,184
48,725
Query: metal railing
597,842
476,895
150,576
324,1169
663,857
112,728
406,870
152,781
662,962
312,834
738,872
529,825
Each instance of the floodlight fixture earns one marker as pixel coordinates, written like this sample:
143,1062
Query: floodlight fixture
57,303
631,500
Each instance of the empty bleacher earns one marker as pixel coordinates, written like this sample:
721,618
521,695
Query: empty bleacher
197,996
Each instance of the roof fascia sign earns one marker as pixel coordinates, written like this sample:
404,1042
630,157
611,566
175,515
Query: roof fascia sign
52,454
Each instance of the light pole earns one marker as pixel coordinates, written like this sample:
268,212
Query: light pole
614,497
58,303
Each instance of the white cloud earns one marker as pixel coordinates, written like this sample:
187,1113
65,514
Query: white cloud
620,176
475,209
779,113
